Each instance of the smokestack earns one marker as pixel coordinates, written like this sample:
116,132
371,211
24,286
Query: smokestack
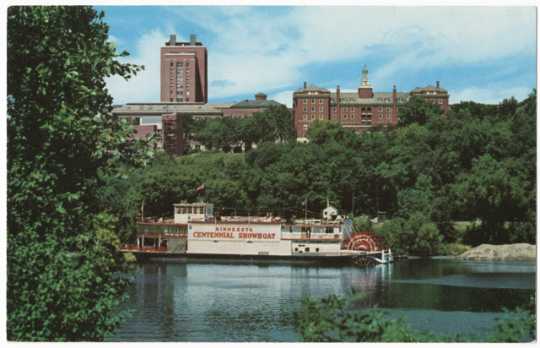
260,96
438,84
305,84
193,39
172,40
394,105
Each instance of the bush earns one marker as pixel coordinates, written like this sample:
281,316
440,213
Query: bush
521,327
331,320
392,231
362,223
417,235
452,249
426,236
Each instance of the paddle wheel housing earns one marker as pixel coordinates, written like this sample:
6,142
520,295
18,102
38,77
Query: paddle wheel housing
363,241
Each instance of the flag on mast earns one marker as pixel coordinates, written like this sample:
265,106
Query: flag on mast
200,188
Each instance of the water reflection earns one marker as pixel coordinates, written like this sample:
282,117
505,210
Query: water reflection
205,301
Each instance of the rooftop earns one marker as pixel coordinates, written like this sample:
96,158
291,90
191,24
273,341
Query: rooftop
255,104
429,88
311,87
133,109
378,98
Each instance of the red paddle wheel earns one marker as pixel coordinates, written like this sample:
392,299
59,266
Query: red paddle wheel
363,241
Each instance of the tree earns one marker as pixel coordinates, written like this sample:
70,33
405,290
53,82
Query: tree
61,135
495,192
275,124
270,125
417,110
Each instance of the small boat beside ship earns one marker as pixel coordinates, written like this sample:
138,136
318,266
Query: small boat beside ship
196,232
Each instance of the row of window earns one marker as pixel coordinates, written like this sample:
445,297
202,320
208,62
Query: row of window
346,116
179,64
190,210
313,101
313,109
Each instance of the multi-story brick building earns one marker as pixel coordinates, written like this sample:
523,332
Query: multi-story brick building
433,94
359,110
184,71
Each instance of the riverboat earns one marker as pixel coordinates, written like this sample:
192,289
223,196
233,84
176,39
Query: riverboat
196,232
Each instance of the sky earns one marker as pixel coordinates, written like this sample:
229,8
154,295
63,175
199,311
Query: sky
484,54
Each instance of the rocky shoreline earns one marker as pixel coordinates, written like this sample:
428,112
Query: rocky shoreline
503,252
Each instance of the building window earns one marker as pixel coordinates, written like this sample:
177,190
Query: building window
321,109
305,101
313,109
320,101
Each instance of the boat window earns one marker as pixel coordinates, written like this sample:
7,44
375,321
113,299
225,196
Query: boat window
317,249
329,230
307,250
295,249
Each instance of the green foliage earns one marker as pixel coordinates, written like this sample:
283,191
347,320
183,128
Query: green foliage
336,319
418,110
416,235
452,249
362,223
518,326
273,124
332,319
495,192
62,139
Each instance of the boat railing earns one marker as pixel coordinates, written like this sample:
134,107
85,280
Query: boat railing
307,235
137,248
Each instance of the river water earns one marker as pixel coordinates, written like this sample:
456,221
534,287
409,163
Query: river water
198,300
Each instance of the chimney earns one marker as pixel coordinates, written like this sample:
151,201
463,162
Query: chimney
260,96
394,105
193,39
438,84
338,104
305,84
172,40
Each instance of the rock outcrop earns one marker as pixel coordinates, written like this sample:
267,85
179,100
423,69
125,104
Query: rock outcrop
507,252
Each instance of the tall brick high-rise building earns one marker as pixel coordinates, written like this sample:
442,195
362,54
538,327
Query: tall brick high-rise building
184,71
